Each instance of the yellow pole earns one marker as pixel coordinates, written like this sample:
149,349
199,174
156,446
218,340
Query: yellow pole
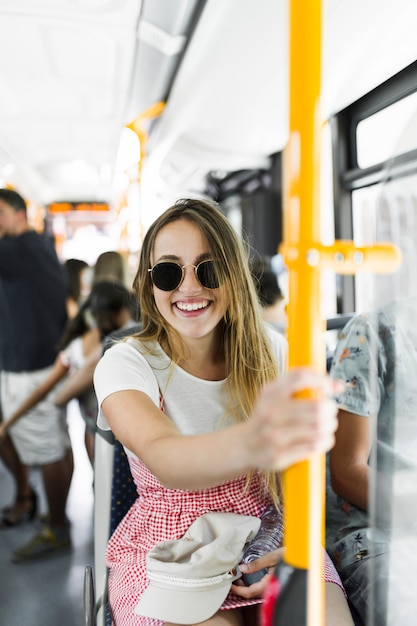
304,512
305,257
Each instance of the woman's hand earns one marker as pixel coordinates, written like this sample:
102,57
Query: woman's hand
269,560
294,417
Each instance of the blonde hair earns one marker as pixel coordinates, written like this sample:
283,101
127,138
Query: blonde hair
109,266
249,360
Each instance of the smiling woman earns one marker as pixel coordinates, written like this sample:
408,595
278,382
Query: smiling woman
203,383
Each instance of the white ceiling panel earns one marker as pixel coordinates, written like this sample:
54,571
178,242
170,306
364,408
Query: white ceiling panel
73,72
66,85
114,12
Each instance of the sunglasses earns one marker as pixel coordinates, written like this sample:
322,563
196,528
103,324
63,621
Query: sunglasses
168,275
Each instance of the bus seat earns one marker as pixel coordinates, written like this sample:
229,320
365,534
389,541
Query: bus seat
95,580
89,597
338,321
123,487
114,493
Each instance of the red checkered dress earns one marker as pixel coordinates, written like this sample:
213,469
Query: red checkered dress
161,514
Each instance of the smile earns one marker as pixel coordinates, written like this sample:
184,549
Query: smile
192,306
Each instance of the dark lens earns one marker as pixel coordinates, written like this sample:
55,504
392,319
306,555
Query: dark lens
166,276
207,274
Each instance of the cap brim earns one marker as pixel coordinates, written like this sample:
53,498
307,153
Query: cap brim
181,606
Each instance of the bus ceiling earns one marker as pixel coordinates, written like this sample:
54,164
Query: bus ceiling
77,73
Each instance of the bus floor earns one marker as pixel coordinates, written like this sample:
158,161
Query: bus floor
49,592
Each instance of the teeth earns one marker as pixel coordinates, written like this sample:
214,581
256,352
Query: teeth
195,306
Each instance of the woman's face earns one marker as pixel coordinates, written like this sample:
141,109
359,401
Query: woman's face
193,310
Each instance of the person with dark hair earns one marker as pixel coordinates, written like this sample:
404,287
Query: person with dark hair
109,307
114,320
270,296
206,414
33,316
74,268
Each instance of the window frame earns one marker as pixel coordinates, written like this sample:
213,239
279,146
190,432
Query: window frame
348,176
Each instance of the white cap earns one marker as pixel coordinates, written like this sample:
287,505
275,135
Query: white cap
190,577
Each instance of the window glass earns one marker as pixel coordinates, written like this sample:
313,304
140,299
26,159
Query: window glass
387,212
377,135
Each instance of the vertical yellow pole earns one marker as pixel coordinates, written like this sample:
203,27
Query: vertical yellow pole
301,598
304,482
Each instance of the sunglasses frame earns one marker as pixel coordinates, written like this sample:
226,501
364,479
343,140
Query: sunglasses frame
182,268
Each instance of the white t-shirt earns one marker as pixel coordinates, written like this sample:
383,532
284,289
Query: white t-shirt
73,356
195,406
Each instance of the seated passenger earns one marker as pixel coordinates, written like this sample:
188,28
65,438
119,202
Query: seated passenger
270,295
376,357
202,405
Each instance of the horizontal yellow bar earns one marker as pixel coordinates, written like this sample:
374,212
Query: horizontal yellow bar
343,257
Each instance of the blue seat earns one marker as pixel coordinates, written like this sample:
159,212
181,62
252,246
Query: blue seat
123,488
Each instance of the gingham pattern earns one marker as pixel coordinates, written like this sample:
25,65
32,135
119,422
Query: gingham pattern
330,573
162,514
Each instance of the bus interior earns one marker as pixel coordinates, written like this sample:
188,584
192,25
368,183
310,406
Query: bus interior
113,109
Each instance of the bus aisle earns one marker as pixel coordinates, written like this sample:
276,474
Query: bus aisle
50,592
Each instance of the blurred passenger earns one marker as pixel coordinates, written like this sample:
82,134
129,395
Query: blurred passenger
201,403
113,321
376,357
74,268
108,304
109,266
270,295
33,316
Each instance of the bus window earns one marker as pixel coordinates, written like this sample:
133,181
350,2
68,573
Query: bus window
376,200
377,135
387,212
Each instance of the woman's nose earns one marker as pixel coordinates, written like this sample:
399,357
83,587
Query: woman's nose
190,282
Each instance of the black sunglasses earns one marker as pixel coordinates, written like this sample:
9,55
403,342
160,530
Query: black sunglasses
168,275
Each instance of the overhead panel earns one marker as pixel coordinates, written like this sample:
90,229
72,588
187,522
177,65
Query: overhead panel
66,91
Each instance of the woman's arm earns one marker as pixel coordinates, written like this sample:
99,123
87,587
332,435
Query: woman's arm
58,372
281,431
81,380
349,467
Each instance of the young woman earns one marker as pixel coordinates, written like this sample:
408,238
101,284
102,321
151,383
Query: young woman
199,400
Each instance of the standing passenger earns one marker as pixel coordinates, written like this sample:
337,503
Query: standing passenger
109,306
199,400
75,269
270,295
110,265
33,316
